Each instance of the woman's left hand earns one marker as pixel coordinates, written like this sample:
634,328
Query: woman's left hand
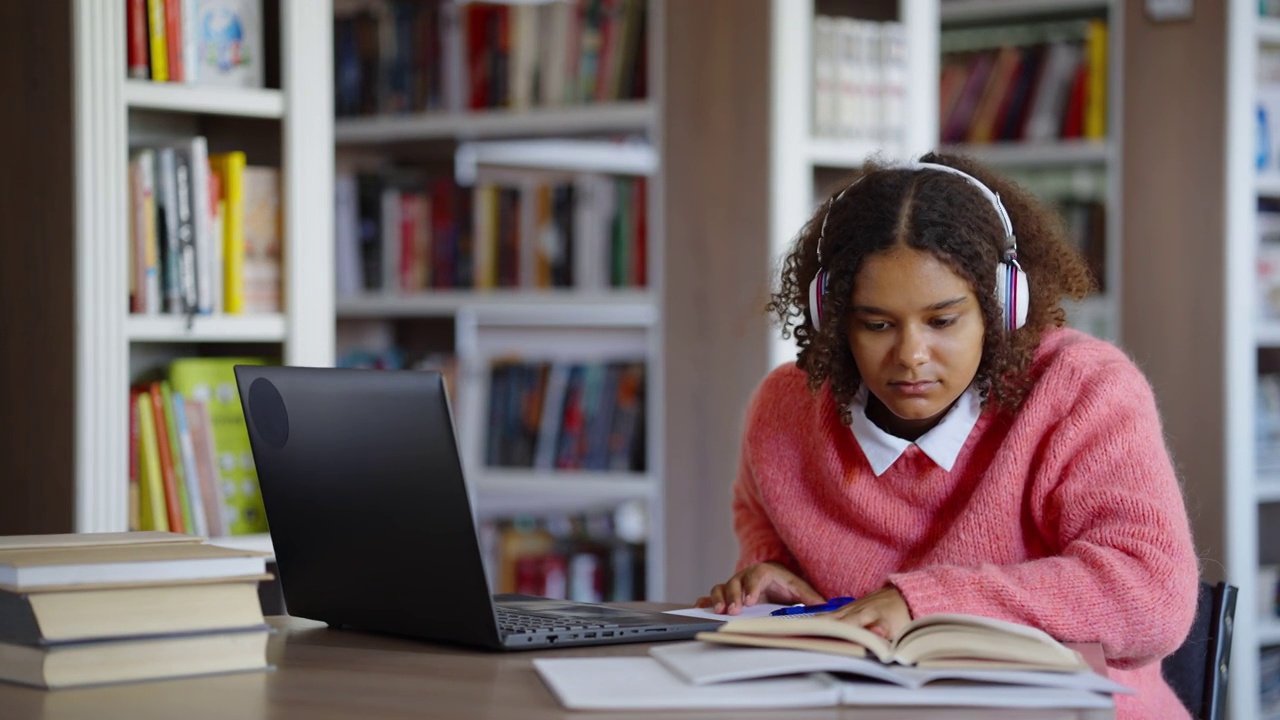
883,612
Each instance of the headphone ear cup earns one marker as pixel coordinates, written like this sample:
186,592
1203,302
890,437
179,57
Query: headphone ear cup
1013,294
817,290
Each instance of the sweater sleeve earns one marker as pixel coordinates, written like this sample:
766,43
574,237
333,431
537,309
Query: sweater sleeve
758,539
1107,502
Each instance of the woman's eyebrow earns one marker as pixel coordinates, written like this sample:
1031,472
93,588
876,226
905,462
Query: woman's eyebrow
940,305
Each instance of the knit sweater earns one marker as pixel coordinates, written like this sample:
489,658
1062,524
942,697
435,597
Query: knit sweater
1066,515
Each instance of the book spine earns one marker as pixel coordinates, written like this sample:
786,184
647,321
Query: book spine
156,36
175,455
136,19
150,480
173,504
185,200
190,473
173,38
230,168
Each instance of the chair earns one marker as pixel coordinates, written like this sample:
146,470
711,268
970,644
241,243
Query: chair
1197,671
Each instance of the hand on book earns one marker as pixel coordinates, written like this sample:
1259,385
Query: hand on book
883,612
762,582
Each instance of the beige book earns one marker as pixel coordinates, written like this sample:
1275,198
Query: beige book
946,640
97,663
73,540
42,618
24,569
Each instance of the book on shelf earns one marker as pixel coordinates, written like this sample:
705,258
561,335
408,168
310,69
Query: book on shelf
859,79
206,42
228,483
702,676
400,232
578,557
205,231
392,56
944,640
566,415
1026,82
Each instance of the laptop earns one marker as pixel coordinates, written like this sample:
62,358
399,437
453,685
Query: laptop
371,523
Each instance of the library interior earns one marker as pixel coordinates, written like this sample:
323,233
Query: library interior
580,215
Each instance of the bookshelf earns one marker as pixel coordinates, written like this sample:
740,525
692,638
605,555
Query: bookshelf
799,154
585,322
87,348
1076,171
1191,307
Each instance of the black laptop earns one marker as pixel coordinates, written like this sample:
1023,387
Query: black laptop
371,523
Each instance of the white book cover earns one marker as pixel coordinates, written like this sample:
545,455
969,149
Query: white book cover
229,43
824,77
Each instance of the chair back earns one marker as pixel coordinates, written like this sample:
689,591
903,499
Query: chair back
1197,671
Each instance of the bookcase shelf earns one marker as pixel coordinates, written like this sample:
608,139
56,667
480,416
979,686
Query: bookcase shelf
1268,334
1268,31
621,308
506,492
177,97
78,199
1268,632
1269,487
985,11
1019,155
205,328
1268,187
613,117
840,154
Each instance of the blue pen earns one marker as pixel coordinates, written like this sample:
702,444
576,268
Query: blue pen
832,604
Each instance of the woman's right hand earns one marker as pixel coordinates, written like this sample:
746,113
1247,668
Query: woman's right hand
762,582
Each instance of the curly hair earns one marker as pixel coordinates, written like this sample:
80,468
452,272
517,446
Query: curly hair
938,212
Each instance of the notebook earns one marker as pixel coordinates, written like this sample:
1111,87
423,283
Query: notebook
371,522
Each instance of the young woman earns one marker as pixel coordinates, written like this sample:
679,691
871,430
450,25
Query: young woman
944,444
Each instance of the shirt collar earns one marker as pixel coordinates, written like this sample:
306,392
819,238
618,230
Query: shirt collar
942,443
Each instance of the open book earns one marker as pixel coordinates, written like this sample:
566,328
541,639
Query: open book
937,641
699,675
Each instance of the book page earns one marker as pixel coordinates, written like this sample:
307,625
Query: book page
968,640
702,663
797,629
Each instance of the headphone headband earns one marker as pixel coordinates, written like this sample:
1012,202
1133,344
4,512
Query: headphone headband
1011,244
1011,282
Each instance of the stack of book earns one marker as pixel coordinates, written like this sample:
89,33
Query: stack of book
90,609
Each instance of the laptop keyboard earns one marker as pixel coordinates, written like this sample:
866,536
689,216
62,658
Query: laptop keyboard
517,622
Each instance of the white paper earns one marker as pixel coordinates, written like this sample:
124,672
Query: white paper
641,683
870,693
754,611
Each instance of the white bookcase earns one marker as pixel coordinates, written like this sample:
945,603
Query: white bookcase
106,345
1085,169
1251,499
797,155
557,324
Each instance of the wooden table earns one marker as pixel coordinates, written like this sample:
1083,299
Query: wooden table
324,673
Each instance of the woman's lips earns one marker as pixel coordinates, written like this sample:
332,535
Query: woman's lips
914,388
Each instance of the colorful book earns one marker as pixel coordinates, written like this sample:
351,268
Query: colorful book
212,382
229,167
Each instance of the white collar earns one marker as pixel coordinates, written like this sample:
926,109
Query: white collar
942,443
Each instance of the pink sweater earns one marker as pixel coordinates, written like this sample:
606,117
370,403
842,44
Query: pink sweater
1066,516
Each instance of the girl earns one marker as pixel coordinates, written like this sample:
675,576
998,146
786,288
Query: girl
944,444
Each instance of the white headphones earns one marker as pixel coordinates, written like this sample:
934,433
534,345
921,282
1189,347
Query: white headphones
1011,282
